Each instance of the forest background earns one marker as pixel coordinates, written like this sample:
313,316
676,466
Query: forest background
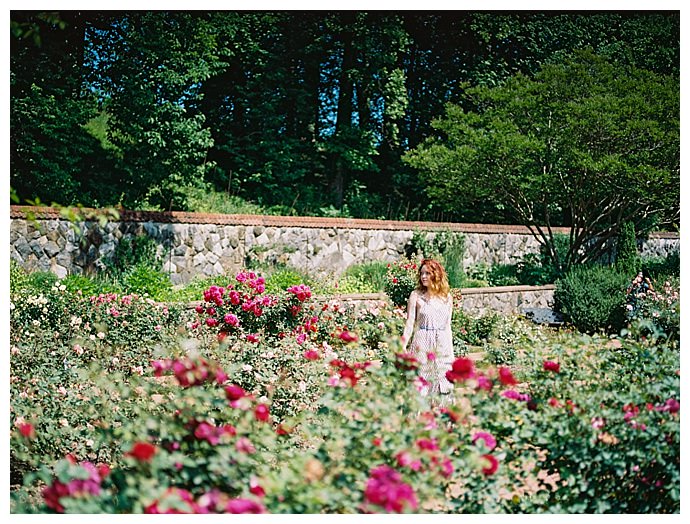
335,113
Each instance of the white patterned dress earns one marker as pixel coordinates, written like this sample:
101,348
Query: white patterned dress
432,342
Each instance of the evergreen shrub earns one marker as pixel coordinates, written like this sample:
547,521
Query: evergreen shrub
592,298
627,258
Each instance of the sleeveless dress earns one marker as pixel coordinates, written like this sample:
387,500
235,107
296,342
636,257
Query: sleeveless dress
432,344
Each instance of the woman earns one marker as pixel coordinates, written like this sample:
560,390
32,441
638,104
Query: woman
429,311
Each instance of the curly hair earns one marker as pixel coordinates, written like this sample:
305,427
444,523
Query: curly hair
438,281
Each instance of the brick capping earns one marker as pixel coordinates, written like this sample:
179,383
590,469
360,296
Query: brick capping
182,217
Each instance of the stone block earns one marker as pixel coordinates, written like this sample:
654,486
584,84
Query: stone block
180,262
169,267
212,240
64,258
106,249
51,249
262,240
23,248
36,248
198,242
376,243
59,270
198,260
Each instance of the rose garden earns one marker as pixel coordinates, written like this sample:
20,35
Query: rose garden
261,399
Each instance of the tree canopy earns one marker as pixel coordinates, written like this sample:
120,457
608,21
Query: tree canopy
586,143
299,112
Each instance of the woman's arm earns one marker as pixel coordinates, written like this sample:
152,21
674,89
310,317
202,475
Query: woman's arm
411,315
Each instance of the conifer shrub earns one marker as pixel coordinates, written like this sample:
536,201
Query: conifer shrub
627,258
592,298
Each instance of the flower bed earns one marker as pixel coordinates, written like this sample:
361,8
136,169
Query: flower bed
284,405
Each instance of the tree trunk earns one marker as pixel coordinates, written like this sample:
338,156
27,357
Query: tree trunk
344,110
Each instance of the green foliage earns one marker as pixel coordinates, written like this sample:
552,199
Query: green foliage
445,246
135,267
513,144
207,200
243,103
401,281
193,289
19,279
503,275
473,330
627,257
51,151
369,275
592,298
619,401
662,268
41,280
144,279
89,285
500,354
282,278
130,251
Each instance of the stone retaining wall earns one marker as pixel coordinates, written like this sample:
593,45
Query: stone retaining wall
208,244
508,300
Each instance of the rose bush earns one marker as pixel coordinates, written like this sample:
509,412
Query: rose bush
658,310
401,280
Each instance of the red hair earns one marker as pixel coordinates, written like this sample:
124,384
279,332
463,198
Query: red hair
438,279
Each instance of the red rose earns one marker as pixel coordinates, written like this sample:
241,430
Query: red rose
27,430
346,336
462,369
262,413
550,365
233,392
143,451
492,465
506,377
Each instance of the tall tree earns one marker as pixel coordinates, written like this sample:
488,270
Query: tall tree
587,143
149,68
53,154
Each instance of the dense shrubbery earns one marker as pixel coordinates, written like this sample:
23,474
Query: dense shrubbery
662,268
592,298
597,298
628,259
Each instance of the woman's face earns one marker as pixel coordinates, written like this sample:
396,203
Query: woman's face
425,276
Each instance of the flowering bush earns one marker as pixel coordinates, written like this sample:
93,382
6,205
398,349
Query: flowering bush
401,281
61,344
42,311
244,309
658,308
